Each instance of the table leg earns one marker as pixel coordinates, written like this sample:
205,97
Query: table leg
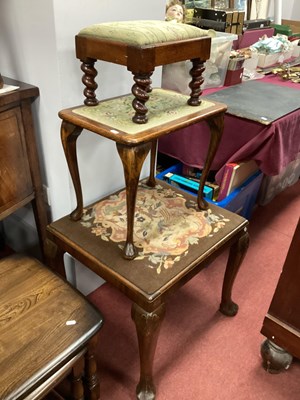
55,258
216,126
91,380
88,79
132,158
236,255
77,391
147,326
38,203
140,90
151,180
196,82
69,135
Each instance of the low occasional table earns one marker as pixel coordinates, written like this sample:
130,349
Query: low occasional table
168,112
174,240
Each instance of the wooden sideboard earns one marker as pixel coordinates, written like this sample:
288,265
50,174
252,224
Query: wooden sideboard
20,177
281,325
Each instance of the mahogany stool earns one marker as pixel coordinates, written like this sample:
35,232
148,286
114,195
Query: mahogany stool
141,46
48,331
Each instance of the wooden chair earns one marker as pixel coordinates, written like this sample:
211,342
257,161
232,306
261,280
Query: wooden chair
48,332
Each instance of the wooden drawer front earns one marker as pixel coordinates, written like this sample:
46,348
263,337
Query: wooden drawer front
15,178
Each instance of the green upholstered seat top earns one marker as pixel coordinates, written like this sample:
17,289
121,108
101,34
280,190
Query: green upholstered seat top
143,33
164,106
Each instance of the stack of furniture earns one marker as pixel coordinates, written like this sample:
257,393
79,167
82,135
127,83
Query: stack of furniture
148,239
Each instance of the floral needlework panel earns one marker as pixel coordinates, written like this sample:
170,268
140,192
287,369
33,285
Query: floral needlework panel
166,225
164,106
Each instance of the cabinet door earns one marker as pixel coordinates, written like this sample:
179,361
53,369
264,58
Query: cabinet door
16,187
282,322
286,299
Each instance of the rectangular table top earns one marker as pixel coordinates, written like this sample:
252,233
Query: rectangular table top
258,101
172,238
272,146
168,111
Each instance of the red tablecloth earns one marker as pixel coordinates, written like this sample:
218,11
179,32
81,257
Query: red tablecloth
273,146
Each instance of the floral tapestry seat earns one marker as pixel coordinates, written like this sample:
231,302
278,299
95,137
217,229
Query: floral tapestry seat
171,236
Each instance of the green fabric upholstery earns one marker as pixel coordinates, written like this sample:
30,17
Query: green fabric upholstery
143,33
164,106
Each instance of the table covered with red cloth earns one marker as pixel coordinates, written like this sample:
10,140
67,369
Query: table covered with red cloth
272,146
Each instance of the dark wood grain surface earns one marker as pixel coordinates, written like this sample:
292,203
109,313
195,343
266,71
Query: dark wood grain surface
20,171
44,322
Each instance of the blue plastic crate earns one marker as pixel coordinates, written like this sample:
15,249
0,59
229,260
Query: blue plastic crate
241,201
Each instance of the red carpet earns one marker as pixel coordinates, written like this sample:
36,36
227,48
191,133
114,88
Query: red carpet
201,354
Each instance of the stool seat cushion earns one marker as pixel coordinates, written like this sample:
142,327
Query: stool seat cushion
143,33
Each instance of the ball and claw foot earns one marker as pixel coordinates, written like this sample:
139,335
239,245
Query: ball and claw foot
229,309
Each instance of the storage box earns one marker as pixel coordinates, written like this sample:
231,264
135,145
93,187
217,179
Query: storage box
216,67
234,77
273,185
282,29
250,64
177,76
241,201
226,20
296,48
267,60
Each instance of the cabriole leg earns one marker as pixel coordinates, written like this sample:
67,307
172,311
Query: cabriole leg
151,180
216,127
132,158
69,135
236,255
148,327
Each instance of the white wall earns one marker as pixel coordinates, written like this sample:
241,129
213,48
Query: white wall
37,47
290,9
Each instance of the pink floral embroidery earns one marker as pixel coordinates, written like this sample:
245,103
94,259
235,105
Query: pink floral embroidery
164,227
